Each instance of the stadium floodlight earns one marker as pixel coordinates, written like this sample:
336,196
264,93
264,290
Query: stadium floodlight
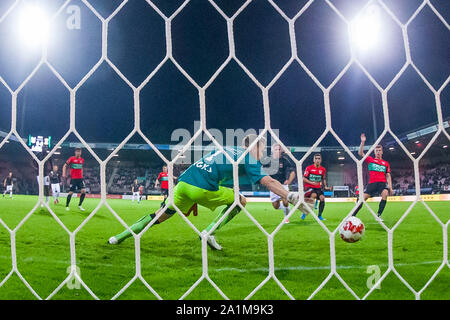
33,25
365,29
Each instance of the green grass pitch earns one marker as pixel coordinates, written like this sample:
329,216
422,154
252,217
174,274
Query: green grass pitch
171,253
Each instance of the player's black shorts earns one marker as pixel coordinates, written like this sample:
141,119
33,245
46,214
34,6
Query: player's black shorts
76,184
46,190
310,191
375,188
164,192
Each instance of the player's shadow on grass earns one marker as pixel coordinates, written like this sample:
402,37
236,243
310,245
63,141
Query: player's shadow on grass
300,223
100,216
43,212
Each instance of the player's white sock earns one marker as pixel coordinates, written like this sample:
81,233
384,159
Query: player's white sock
10,194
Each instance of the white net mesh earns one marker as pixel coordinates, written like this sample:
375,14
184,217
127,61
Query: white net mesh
74,273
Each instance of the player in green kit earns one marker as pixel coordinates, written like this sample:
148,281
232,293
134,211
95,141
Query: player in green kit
209,183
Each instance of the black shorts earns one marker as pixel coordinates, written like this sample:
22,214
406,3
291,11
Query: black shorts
165,192
310,191
376,188
76,184
46,190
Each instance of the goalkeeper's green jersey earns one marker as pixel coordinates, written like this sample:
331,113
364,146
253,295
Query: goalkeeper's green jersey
214,170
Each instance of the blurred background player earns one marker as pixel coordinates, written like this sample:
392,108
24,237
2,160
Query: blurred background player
55,182
209,183
76,177
356,192
314,179
163,177
48,166
380,181
284,172
141,192
46,179
135,188
8,185
46,188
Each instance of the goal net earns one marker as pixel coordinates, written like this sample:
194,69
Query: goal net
268,130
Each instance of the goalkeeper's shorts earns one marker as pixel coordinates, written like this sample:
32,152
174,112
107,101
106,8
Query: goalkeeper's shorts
186,195
274,197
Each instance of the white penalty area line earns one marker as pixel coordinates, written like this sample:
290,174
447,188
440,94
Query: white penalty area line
306,268
240,270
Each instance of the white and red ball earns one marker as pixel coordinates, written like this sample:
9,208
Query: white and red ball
351,230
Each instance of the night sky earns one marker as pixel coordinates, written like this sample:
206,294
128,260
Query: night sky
136,45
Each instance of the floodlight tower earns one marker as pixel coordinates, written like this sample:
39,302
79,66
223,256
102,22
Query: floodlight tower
33,26
32,32
365,32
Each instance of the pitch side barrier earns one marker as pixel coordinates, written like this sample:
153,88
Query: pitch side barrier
431,197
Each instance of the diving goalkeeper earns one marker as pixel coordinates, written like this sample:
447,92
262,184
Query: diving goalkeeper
209,181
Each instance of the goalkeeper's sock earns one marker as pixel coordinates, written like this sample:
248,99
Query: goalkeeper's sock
286,211
69,196
357,209
228,218
83,195
315,204
381,207
137,227
321,207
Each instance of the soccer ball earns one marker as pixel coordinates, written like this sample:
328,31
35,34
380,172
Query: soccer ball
351,230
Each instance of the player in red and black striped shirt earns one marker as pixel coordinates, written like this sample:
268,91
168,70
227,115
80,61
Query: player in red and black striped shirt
314,179
75,163
163,177
380,182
